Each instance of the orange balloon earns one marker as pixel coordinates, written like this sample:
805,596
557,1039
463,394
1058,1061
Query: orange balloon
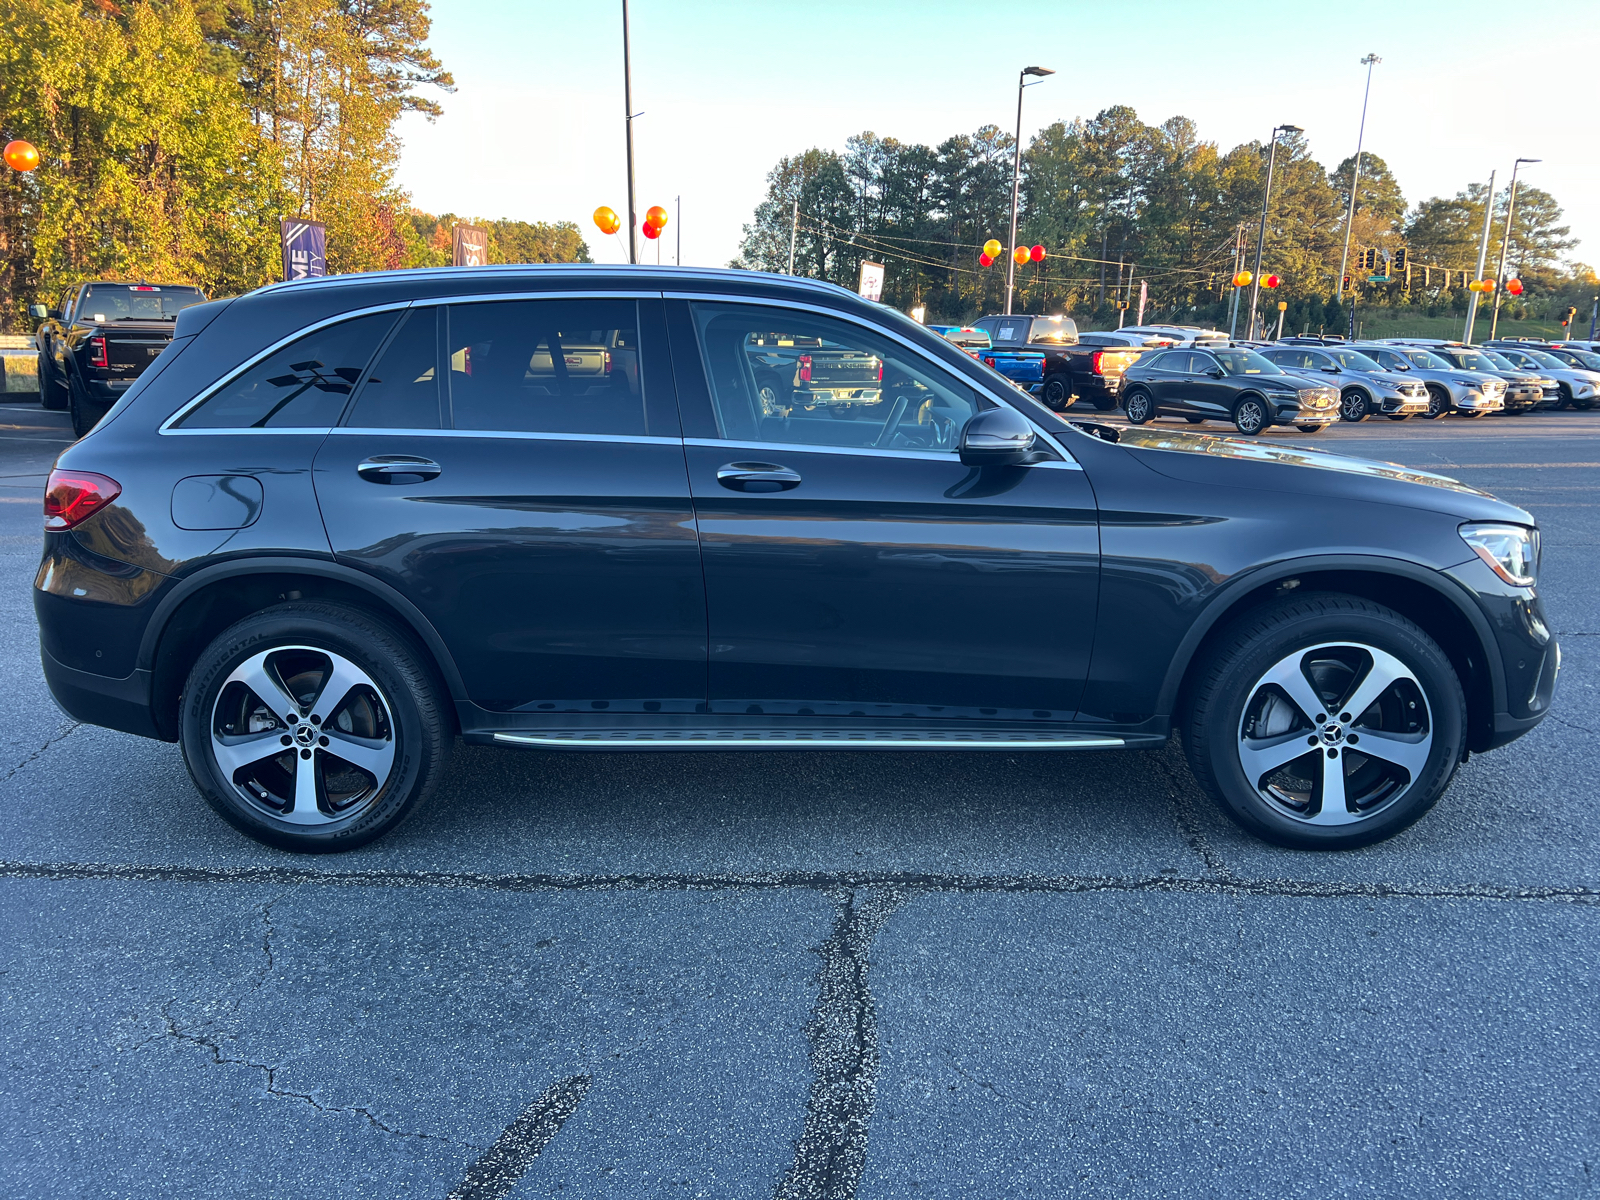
607,220
1020,255
657,216
1488,285
21,155
1514,286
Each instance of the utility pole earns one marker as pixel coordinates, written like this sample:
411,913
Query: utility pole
1016,179
1505,245
1355,177
794,228
1483,253
1261,232
677,255
627,104
1238,265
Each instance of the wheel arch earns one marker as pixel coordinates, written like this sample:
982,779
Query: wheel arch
207,602
1439,605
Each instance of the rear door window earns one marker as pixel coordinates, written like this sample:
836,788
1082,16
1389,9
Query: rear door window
545,366
305,385
402,389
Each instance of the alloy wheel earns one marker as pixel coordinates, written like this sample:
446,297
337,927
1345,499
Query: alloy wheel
1138,408
1250,416
1334,734
303,735
1353,406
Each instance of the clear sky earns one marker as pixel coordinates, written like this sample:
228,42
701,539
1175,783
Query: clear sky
535,131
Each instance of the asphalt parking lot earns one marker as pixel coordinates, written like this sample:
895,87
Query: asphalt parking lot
810,975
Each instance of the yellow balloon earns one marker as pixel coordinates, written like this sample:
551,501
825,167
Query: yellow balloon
607,220
1475,286
992,247
1242,279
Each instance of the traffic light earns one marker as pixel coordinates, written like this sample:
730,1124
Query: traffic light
1567,324
1400,261
1369,261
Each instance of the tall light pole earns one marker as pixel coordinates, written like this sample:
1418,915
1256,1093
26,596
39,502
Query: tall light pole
1355,177
1505,243
1483,252
1016,179
627,106
1261,233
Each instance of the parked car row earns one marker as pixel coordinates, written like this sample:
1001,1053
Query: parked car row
1200,374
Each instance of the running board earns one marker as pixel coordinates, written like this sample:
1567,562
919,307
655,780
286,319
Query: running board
810,739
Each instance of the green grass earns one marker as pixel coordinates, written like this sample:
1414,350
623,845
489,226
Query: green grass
1384,323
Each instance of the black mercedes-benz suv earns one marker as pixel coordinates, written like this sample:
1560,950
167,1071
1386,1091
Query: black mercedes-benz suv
338,524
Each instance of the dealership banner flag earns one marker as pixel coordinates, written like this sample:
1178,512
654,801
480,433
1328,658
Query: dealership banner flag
471,246
305,249
871,281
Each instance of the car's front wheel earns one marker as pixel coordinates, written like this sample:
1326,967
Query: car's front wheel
1056,393
312,727
1354,405
1325,722
1139,406
1438,402
1250,415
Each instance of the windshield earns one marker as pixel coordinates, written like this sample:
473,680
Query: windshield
1471,360
968,337
1588,358
1247,362
1549,361
1352,360
1427,360
1501,361
136,302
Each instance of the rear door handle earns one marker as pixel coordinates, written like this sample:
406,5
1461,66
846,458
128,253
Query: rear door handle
397,468
757,477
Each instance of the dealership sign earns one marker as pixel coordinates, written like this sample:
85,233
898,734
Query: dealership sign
305,249
471,246
871,281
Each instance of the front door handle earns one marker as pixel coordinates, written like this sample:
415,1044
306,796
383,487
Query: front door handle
397,468
757,477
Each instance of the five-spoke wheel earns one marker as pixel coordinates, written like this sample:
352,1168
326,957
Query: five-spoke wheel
313,726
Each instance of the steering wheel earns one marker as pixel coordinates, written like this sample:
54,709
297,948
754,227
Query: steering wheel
896,414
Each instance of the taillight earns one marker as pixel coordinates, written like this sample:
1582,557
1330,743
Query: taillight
1094,361
880,370
805,368
72,497
607,354
988,362
97,352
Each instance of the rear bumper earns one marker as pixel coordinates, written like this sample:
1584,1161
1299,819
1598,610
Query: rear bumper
122,704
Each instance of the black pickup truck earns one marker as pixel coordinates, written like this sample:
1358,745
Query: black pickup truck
98,338
1072,372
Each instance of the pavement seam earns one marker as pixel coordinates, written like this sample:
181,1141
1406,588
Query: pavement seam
831,1152
270,1082
1188,822
500,1169
818,881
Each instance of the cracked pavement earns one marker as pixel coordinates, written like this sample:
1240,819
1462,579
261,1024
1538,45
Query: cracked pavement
821,975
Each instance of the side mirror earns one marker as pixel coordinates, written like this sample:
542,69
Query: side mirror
1217,373
38,312
1331,370
996,437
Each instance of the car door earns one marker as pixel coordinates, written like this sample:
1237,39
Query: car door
1205,395
854,567
514,468
1165,376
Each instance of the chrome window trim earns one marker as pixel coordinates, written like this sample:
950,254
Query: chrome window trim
632,439
949,456
822,311
166,427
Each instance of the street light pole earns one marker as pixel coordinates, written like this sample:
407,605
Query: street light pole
1261,233
1355,177
1483,252
1016,179
627,104
1505,244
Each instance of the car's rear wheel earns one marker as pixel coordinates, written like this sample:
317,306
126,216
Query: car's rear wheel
85,413
1250,415
312,727
1438,402
1354,405
50,394
1139,406
1325,722
1106,404
1056,393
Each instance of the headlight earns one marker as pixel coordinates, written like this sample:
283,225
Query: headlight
1464,382
1512,551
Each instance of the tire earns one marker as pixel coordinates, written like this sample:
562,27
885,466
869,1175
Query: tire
1565,396
1236,704
1195,420
1398,416
1439,403
771,394
1056,393
393,702
1471,414
51,394
1139,406
1106,404
1250,415
1354,405
1310,428
86,414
